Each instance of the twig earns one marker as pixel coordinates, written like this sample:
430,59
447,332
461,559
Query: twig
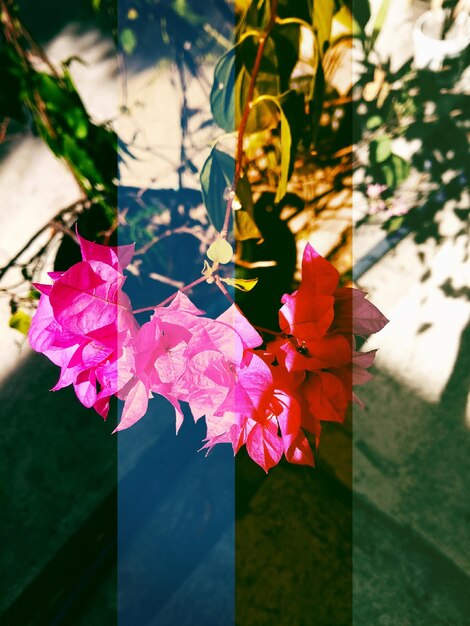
51,223
267,331
170,298
176,231
222,288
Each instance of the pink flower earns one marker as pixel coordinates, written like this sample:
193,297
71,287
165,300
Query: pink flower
262,413
186,357
84,324
375,191
399,207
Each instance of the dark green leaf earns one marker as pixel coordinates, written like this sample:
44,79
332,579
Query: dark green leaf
286,40
222,96
245,195
216,176
395,170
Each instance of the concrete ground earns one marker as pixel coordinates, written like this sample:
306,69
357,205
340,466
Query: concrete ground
409,450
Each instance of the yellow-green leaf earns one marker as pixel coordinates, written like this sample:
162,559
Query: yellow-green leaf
244,284
21,321
245,226
322,19
286,142
220,251
128,40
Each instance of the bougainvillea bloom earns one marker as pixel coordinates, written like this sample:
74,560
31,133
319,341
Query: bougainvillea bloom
319,323
186,357
263,397
84,324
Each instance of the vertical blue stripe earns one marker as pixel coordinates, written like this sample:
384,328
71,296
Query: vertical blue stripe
176,507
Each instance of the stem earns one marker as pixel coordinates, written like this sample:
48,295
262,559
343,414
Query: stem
251,89
222,288
267,331
247,109
170,298
224,231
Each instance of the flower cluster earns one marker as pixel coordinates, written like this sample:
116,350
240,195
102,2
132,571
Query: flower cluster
264,396
84,324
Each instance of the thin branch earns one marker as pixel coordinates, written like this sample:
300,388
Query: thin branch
51,223
176,231
222,288
170,298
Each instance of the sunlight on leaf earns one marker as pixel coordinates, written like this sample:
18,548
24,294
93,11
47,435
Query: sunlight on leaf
286,142
220,251
244,284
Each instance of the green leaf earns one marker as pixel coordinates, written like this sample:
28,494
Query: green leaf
395,223
21,321
374,122
395,170
293,107
217,175
285,157
128,41
267,83
248,51
55,95
244,284
294,9
401,167
379,22
381,149
77,121
183,9
81,162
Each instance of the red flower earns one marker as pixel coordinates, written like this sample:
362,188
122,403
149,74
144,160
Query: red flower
319,322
